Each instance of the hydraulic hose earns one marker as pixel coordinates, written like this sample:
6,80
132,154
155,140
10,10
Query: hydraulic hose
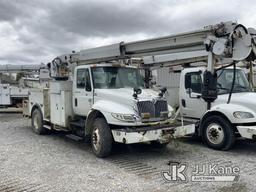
233,84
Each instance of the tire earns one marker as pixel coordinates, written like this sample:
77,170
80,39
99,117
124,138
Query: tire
218,133
37,122
101,138
157,144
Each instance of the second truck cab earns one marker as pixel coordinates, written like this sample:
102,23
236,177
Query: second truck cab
223,122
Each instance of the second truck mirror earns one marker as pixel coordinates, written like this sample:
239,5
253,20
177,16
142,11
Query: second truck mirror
88,86
209,89
187,81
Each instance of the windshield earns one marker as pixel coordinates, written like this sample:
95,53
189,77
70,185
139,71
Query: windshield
116,77
225,80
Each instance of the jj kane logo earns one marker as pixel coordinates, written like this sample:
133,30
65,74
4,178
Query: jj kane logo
178,172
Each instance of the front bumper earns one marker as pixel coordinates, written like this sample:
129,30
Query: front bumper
248,132
128,135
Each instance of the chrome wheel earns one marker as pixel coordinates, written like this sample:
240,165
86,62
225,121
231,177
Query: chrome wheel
96,139
215,133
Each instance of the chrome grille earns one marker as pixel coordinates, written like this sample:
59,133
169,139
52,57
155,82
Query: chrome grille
160,106
154,108
146,107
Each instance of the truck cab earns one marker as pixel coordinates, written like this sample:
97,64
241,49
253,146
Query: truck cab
105,103
110,89
219,125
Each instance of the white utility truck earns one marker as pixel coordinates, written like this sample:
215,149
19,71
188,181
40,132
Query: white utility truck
232,113
13,95
105,101
226,120
95,96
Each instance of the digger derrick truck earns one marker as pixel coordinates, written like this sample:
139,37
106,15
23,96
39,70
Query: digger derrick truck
94,95
103,103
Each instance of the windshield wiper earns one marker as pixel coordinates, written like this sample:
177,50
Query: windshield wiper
222,88
240,86
219,86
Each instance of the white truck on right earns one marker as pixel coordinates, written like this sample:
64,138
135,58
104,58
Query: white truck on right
216,98
232,114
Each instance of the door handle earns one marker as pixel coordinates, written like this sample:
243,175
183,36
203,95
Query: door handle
183,102
75,102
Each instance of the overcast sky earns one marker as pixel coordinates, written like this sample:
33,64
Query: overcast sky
35,31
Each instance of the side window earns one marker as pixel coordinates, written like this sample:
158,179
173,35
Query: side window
83,79
193,81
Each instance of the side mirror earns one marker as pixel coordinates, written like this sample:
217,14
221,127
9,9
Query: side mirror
209,89
187,81
88,86
137,91
163,90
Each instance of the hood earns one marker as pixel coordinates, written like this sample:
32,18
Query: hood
246,99
124,95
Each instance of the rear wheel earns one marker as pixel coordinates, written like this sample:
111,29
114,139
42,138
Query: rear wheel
37,122
218,133
101,138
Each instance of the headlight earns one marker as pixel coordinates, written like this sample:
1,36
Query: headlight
171,114
243,115
124,117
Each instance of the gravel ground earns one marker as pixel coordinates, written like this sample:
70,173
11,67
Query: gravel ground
56,162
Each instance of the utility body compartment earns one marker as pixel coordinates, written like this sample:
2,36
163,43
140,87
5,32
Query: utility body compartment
55,103
61,109
5,98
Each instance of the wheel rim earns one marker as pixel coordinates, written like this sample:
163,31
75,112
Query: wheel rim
96,139
215,133
36,121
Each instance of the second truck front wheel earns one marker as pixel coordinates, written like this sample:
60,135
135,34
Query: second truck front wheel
101,138
218,133
37,122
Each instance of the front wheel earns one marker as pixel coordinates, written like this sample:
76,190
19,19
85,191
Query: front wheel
218,133
101,138
37,122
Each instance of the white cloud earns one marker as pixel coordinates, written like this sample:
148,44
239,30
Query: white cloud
34,31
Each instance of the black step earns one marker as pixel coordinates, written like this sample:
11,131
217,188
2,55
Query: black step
78,124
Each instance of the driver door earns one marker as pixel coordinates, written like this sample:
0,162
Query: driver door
192,105
82,92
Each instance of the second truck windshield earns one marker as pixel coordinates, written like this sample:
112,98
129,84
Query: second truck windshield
225,80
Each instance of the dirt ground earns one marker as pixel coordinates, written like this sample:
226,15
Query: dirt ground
59,162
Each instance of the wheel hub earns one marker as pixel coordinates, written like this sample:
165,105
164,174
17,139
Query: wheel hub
215,133
96,138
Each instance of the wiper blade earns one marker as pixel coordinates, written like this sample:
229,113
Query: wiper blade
222,88
240,86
